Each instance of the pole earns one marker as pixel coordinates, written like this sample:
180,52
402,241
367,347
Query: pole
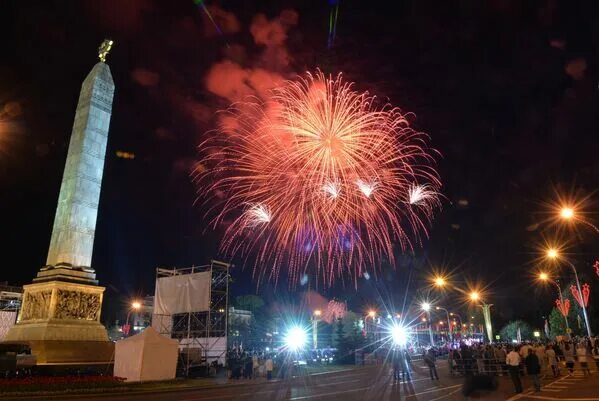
430,329
584,309
450,332
314,333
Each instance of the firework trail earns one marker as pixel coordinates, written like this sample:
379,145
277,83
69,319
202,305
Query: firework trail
333,15
317,179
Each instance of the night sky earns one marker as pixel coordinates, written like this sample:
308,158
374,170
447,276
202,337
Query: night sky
507,90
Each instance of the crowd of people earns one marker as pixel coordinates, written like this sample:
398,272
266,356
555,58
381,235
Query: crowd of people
533,359
249,365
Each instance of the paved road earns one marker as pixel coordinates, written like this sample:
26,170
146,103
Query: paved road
370,383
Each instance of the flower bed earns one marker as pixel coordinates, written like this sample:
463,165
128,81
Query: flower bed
58,383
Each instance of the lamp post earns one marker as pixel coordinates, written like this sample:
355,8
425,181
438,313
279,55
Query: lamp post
315,319
476,298
545,277
135,306
448,321
427,308
554,254
570,215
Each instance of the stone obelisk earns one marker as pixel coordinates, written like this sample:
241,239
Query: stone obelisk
60,314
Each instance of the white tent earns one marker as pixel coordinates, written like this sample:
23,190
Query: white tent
146,356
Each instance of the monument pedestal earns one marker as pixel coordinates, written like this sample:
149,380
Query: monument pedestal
60,320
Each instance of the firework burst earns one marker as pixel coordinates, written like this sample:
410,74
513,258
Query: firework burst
318,179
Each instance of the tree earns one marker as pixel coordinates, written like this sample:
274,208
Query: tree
556,323
509,332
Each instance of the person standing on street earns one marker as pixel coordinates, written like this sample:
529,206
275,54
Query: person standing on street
396,365
552,360
429,360
582,354
569,356
533,368
406,361
269,367
512,360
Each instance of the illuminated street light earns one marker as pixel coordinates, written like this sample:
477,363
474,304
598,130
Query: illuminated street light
135,306
372,314
545,278
552,253
315,319
475,297
296,338
448,322
440,281
427,307
566,213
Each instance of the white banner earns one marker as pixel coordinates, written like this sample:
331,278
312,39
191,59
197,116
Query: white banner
182,294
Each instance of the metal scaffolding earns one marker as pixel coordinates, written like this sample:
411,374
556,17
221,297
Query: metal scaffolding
202,335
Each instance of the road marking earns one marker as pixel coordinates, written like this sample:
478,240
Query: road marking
432,391
446,395
528,391
305,397
540,397
336,371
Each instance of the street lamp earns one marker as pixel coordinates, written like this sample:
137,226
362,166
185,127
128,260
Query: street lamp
440,281
371,314
475,297
554,254
448,321
545,277
566,213
135,306
315,319
427,308
570,215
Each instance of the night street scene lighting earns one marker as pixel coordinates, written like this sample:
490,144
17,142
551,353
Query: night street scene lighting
316,201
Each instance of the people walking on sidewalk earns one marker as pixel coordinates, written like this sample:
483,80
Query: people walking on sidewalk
512,360
582,353
552,360
533,368
429,360
569,356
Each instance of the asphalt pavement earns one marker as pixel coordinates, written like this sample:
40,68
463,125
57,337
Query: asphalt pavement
366,384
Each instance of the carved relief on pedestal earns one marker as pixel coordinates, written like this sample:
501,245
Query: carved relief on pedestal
36,305
77,305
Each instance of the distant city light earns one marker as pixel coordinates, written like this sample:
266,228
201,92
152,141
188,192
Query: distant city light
425,306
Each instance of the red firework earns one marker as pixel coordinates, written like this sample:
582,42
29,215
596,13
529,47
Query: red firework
318,179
